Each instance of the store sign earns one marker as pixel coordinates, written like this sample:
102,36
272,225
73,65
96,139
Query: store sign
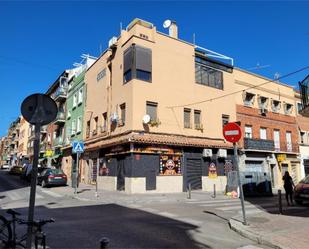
49,153
281,157
212,170
170,165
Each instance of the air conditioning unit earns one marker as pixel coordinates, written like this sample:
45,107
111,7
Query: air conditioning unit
207,152
112,42
222,153
263,111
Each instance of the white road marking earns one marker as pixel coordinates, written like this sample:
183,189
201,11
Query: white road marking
191,221
166,214
53,194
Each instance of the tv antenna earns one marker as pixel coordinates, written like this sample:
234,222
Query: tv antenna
258,67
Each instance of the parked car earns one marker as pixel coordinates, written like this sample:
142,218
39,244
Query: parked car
5,166
16,170
301,192
52,177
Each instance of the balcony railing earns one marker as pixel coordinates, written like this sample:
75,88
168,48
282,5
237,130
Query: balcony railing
259,144
60,117
58,142
60,94
304,94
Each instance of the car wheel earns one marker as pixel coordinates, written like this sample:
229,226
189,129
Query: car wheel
43,184
299,202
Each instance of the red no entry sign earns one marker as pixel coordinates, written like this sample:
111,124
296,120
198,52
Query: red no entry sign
232,132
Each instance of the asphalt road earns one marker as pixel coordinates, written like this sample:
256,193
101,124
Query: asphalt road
142,224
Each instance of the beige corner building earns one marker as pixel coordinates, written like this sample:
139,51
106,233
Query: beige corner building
154,111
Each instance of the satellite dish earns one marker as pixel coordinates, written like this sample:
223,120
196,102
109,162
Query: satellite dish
167,24
146,119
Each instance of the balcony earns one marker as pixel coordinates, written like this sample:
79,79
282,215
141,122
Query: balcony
259,144
60,119
60,94
304,94
58,142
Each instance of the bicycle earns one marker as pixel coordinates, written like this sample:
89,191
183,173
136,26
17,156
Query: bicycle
8,231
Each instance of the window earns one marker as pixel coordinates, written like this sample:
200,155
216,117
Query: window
263,102
288,136
73,128
79,124
277,140
137,64
104,123
248,98
208,76
275,105
263,133
151,110
88,129
80,96
288,108
187,118
123,114
95,126
101,74
225,119
299,107
302,136
248,131
74,100
69,115
197,120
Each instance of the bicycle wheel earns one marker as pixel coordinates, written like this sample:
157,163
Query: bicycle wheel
5,231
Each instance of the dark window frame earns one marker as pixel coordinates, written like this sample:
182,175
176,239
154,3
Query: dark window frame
155,105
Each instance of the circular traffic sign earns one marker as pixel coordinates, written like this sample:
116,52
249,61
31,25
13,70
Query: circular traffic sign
232,132
39,108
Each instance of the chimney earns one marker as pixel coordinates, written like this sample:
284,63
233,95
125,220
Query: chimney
173,30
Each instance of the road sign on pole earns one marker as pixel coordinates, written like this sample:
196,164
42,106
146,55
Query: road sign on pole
78,148
232,133
37,109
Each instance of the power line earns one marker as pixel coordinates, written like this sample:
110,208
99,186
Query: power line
239,91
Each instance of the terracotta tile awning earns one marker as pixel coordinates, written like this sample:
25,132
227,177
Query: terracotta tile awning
153,138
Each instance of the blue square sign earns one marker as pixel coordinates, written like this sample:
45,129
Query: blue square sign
77,147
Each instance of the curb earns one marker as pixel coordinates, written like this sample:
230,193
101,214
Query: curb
247,232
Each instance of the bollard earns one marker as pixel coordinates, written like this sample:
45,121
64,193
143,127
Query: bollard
280,201
189,191
104,242
215,194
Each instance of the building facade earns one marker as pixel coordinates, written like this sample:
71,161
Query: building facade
266,111
137,136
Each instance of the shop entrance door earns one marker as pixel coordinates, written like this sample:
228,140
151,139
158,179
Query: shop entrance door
120,174
194,173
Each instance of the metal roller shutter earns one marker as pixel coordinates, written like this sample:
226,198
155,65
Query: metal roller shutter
194,173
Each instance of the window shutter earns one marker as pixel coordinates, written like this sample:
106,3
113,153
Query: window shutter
143,59
128,59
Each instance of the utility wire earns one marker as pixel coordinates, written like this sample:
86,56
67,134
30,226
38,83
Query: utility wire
239,91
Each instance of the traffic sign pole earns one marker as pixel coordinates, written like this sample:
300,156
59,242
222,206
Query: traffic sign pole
77,172
240,185
34,173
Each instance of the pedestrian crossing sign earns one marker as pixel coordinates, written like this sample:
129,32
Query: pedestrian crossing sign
77,147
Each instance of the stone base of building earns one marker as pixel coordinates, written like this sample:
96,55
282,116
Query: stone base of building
219,182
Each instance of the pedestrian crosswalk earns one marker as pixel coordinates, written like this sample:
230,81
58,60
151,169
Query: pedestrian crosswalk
234,205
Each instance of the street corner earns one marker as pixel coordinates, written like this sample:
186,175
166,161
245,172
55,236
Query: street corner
252,232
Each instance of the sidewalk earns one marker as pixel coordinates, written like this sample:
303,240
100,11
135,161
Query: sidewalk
275,230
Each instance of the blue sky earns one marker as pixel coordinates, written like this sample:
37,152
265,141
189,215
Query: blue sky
39,39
